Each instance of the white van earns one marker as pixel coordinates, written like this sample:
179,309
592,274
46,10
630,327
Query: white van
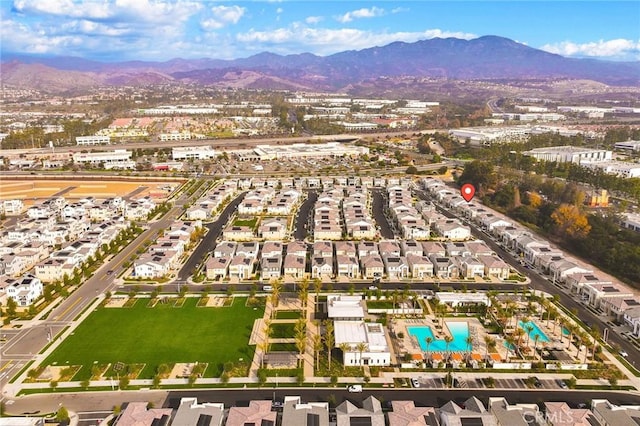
354,388
267,288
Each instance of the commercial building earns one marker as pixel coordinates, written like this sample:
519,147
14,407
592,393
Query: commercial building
366,343
116,156
193,153
569,154
93,140
618,168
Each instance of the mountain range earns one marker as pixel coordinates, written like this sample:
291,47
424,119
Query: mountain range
484,58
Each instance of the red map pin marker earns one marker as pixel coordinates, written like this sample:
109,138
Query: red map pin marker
467,191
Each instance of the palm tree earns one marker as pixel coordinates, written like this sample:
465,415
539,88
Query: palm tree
571,329
317,286
447,340
488,342
529,328
317,346
267,333
361,347
519,332
344,347
511,344
329,339
535,343
428,340
469,342
595,334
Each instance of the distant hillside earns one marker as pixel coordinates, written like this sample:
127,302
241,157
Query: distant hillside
488,57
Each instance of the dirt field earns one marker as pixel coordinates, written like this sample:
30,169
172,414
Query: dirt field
32,191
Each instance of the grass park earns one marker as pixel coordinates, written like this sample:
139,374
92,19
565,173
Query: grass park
160,335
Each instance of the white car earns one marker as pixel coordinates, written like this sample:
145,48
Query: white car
373,287
624,354
354,388
415,383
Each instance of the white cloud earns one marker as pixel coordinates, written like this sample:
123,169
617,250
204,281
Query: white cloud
117,10
361,13
279,10
616,48
223,16
313,19
324,41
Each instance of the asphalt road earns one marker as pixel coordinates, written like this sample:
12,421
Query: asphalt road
208,242
303,219
378,207
96,401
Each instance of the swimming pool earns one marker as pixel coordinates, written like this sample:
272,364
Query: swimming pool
536,331
459,331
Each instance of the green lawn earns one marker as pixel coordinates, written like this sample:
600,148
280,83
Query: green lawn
283,331
160,335
288,314
246,222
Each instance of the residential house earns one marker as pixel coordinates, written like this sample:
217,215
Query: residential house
345,248
457,249
444,267
50,270
412,247
258,413
405,413
576,282
367,248
238,233
225,249
217,267
248,249
389,248
295,412
294,265
372,266
272,249
138,414
323,249
321,267
495,267
190,413
273,228
299,248
433,247
271,267
370,414
452,229
473,412
470,267
595,294
347,266
242,267
396,266
419,266
25,290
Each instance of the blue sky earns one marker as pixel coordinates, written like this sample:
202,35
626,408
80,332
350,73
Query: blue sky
112,30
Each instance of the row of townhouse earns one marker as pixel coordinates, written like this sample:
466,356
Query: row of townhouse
327,224
408,219
18,257
207,205
269,201
325,183
165,254
356,213
365,259
612,298
139,209
295,411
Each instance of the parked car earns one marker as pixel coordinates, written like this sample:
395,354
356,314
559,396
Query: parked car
415,383
373,287
624,354
354,388
562,384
